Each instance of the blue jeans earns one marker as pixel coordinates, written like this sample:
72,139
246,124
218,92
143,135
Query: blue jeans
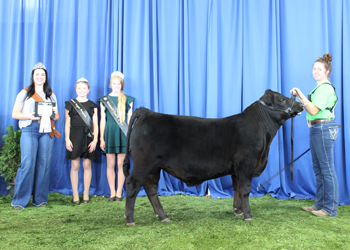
33,175
322,137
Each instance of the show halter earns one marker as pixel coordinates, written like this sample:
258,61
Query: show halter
287,110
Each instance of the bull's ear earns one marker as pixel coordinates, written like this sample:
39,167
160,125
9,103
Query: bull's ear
267,97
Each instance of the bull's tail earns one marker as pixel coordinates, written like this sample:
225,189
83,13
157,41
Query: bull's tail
137,114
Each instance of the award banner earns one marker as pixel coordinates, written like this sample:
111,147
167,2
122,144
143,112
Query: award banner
113,110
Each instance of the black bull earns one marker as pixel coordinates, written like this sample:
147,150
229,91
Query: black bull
195,149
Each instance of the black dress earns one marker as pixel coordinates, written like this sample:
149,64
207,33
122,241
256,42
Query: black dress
79,132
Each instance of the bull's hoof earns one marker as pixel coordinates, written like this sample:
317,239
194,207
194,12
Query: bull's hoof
238,211
131,224
166,220
248,217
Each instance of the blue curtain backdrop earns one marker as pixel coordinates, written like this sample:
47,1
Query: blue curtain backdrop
203,58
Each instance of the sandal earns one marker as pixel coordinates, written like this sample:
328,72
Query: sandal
112,198
76,202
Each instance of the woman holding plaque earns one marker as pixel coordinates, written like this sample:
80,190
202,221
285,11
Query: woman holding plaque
115,107
33,174
81,131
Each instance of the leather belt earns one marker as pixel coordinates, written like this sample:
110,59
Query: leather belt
321,121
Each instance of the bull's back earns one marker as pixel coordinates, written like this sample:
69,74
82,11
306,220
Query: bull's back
179,132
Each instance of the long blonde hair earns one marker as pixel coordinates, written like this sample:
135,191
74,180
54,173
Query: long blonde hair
121,98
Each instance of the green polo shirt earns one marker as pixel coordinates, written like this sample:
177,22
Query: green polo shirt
323,96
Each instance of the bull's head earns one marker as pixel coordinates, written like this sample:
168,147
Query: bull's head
278,102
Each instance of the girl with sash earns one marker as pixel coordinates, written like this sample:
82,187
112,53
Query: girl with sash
116,111
36,143
81,131
323,132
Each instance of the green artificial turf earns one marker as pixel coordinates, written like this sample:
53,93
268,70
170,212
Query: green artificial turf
196,223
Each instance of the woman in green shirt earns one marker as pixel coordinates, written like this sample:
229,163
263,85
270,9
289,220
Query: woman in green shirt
323,132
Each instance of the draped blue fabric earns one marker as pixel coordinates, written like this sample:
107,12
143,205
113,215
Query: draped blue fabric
203,58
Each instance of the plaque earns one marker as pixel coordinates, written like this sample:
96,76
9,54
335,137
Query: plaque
44,109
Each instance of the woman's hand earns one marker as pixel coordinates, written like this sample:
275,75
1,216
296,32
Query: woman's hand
92,146
57,115
33,118
299,94
55,110
102,144
69,145
308,106
295,91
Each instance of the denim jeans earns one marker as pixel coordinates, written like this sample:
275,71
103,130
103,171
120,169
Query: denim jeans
33,175
322,137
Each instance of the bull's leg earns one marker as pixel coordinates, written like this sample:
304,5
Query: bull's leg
237,202
151,188
133,186
244,187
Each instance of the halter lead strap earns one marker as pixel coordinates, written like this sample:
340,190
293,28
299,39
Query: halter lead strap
287,110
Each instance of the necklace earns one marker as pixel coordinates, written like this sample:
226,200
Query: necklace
39,92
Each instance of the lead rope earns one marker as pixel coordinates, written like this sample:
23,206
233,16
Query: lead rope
292,141
292,146
262,185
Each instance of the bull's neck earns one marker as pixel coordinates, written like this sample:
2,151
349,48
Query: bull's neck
264,117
